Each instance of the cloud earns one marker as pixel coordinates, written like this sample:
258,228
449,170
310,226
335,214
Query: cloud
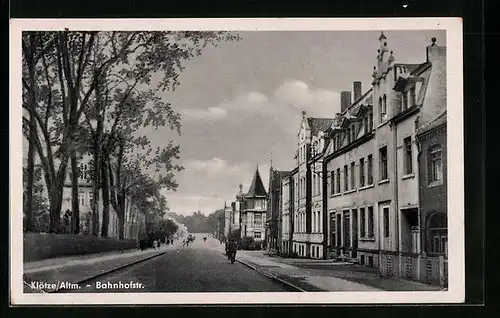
206,184
213,167
299,96
211,113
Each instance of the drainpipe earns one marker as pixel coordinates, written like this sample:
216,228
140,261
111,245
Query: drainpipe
324,207
420,232
396,202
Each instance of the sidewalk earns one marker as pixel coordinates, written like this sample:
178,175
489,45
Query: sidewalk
76,269
327,275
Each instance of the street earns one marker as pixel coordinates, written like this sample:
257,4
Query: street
199,267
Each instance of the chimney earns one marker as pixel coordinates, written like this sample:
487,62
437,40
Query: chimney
345,100
357,90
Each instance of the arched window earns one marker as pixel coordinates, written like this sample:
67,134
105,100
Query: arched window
437,234
435,165
381,109
385,104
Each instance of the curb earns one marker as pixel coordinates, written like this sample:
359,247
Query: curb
273,277
111,271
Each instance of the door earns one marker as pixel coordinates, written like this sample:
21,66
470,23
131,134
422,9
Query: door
354,233
347,231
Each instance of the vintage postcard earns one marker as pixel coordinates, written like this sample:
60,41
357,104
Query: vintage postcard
236,161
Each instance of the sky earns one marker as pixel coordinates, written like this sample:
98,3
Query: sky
241,103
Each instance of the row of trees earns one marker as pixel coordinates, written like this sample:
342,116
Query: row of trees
92,92
198,222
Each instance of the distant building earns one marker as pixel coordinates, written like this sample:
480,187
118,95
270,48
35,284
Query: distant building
253,214
274,209
134,221
287,212
308,238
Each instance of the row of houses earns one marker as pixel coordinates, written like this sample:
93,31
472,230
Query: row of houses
369,184
134,222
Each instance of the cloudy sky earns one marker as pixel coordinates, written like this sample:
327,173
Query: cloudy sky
242,101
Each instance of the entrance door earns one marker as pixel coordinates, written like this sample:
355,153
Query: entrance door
347,231
354,233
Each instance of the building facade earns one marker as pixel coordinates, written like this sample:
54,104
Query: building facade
253,212
308,170
369,187
274,221
287,208
134,220
433,188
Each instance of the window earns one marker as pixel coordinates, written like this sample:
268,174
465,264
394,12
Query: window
408,164
380,109
81,198
257,235
338,180
383,163
314,222
370,221
404,101
346,179
413,98
362,219
435,164
438,234
333,230
385,105
370,122
353,181
362,172
365,124
258,219
319,185
314,189
332,182
353,132
386,222
370,169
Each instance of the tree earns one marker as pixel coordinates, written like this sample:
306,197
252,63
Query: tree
64,75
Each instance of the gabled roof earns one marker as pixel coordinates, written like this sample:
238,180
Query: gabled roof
257,188
318,124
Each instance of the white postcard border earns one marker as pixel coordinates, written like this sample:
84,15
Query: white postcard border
455,135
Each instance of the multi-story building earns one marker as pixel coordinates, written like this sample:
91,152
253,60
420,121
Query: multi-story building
372,163
228,219
310,129
349,149
134,220
274,219
253,213
287,206
432,141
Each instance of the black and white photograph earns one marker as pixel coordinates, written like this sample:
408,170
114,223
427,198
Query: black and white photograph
235,161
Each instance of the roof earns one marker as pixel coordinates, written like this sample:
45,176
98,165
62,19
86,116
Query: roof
318,124
257,188
436,122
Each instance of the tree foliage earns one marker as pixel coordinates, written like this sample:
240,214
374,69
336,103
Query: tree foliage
71,79
198,222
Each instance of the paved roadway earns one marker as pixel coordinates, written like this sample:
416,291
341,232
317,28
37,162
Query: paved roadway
199,267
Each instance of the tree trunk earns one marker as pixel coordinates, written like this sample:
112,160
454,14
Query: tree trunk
30,179
75,204
105,196
121,215
56,194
